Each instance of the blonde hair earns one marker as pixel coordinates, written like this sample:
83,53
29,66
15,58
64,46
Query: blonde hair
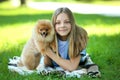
77,37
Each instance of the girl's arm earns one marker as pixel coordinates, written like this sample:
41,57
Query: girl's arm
69,65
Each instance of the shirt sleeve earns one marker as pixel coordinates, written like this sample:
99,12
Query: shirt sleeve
85,58
83,55
83,52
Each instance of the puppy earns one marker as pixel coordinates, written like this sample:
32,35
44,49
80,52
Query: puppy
42,37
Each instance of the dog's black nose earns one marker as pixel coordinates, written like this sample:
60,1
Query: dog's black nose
44,32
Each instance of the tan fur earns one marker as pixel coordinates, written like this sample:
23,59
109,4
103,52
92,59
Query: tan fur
42,37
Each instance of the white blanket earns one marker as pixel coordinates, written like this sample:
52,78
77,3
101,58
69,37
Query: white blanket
43,70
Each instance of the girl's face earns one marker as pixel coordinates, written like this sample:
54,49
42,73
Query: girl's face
63,26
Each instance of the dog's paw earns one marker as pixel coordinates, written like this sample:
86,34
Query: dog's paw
41,69
43,72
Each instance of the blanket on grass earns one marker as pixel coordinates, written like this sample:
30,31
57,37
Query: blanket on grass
44,70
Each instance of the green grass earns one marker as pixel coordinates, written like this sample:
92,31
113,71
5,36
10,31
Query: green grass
104,41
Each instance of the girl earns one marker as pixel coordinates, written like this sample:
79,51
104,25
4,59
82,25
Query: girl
71,42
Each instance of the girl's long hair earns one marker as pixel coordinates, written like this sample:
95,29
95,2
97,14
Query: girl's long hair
77,37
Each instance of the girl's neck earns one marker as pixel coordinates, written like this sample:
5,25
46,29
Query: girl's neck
63,38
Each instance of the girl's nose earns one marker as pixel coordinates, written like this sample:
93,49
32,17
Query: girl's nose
62,24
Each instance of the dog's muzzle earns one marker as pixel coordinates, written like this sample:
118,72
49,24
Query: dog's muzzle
44,34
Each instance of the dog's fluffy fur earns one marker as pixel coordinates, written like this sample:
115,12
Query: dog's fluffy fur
42,37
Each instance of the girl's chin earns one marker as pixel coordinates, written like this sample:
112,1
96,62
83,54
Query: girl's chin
63,34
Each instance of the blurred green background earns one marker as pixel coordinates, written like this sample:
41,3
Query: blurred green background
17,21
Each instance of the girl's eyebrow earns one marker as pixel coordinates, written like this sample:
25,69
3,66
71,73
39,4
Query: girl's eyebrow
57,21
64,20
67,19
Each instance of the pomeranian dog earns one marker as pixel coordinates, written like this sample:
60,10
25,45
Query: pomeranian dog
42,37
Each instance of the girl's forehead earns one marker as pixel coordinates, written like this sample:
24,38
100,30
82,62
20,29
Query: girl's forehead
62,16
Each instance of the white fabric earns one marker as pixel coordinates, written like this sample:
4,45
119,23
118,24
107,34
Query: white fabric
24,71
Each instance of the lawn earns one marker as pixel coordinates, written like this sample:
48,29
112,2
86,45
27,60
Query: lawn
104,41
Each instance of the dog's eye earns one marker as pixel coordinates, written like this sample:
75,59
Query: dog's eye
46,29
40,29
